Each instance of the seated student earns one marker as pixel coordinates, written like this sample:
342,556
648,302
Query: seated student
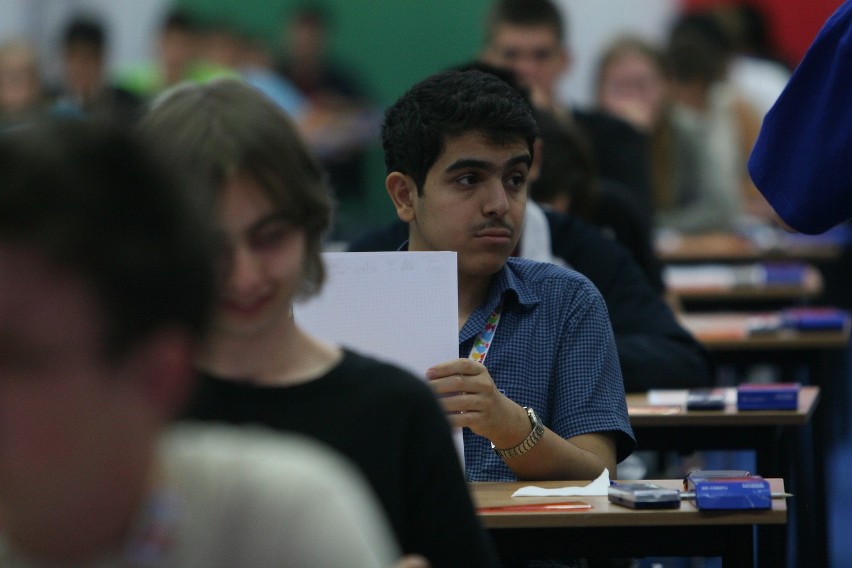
531,38
564,177
700,171
86,90
550,402
568,182
22,95
103,294
655,351
259,366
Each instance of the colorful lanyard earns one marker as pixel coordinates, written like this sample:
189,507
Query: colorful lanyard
156,535
486,336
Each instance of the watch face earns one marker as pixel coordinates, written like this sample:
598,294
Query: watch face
533,416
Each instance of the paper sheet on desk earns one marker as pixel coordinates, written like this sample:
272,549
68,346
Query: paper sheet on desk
400,307
679,396
599,486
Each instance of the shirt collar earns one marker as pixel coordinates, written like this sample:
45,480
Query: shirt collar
509,279
503,281
506,285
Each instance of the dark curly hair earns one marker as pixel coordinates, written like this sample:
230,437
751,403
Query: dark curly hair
447,105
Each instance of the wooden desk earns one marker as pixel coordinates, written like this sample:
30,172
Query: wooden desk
731,247
822,353
642,414
729,331
608,530
726,335
783,449
697,284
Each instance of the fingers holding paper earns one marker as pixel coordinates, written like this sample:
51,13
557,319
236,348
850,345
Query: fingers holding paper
470,398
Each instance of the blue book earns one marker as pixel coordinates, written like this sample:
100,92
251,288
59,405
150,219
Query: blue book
772,396
814,319
729,493
784,273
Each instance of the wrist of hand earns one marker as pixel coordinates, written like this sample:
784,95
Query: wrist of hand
534,433
512,428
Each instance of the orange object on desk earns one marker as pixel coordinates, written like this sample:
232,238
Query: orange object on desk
538,507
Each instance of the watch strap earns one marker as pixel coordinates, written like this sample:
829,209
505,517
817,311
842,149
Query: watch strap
527,444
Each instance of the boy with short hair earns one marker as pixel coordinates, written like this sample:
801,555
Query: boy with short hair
549,403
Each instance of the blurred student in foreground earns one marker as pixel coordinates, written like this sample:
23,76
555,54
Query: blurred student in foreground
257,365
102,296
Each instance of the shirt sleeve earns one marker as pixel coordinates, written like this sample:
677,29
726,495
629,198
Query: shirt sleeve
800,161
589,393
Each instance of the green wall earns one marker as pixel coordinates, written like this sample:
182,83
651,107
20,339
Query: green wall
391,45
400,42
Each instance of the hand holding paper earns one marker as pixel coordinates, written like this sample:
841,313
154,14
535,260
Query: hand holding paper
470,398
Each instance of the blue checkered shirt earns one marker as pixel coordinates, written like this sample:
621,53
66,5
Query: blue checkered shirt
553,351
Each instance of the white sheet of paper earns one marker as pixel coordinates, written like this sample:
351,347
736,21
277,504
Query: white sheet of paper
599,486
400,307
672,397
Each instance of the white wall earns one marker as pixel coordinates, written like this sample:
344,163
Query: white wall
594,23
131,24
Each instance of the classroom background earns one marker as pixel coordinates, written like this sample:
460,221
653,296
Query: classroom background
391,45
387,45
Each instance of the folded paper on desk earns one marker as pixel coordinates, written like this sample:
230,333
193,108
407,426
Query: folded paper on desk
599,486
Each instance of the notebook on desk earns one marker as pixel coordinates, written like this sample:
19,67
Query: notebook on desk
728,276
815,318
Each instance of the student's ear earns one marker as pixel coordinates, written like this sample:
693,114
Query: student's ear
164,367
403,192
487,55
566,60
535,166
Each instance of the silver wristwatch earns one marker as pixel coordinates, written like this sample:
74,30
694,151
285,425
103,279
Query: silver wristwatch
530,441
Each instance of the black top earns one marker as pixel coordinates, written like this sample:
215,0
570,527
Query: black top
389,424
653,348
620,215
620,151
